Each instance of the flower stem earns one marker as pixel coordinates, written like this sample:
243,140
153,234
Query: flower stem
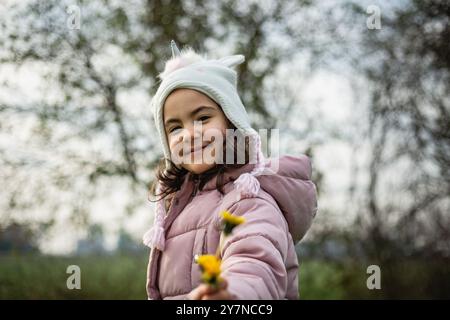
219,247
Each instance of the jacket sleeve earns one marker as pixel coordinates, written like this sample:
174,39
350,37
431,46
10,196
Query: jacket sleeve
254,255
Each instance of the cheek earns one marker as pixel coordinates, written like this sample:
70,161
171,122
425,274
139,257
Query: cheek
216,124
174,140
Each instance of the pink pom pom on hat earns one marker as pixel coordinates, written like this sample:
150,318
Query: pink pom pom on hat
218,80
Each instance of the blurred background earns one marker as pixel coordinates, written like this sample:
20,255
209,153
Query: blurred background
362,87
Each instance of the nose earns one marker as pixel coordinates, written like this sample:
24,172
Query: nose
191,135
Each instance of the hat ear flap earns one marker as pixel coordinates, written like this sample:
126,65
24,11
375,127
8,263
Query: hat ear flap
231,61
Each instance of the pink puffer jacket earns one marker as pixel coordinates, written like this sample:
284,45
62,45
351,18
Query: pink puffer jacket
258,259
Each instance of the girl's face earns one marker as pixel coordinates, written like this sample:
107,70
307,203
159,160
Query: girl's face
181,109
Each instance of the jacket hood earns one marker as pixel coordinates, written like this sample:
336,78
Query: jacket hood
290,185
294,192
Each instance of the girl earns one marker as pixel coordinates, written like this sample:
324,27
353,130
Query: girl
258,259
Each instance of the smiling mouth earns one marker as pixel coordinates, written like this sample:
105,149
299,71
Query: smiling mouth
194,150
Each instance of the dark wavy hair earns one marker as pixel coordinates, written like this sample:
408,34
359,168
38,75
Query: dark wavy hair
173,178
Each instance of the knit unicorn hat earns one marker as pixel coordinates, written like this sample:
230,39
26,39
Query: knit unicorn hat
217,80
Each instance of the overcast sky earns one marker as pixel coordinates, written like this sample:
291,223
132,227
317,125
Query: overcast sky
328,96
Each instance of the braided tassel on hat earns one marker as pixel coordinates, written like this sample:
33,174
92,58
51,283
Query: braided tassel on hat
247,184
155,238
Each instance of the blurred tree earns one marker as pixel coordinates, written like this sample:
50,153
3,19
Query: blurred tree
94,241
17,238
407,64
85,124
126,244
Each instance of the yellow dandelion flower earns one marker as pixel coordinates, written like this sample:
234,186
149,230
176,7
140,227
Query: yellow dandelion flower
210,268
230,221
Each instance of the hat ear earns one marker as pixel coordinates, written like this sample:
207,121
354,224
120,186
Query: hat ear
231,61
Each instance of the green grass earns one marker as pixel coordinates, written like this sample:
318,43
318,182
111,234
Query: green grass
401,279
124,277
318,280
44,277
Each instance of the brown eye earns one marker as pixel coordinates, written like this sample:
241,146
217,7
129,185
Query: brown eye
172,130
204,118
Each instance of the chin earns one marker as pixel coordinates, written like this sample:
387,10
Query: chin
198,168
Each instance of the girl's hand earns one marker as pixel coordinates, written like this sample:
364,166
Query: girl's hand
206,292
